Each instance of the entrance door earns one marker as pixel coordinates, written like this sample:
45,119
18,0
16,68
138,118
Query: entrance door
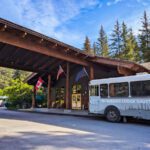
76,96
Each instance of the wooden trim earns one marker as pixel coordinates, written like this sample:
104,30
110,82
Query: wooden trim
24,34
3,28
91,72
67,85
12,39
49,92
124,71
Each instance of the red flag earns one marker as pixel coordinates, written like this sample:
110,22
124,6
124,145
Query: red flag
60,71
39,83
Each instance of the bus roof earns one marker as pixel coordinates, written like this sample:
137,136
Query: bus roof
142,77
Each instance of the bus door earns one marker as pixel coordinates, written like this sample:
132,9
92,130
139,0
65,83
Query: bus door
76,96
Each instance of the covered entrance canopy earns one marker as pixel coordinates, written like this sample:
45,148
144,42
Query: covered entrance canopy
25,49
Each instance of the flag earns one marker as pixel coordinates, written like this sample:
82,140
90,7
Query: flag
81,74
39,83
60,71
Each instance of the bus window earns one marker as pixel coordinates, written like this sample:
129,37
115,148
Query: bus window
104,90
119,89
94,90
140,88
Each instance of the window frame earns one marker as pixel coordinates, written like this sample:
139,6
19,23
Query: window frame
107,90
140,89
128,86
94,90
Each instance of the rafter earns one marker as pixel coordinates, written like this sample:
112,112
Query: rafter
12,39
3,28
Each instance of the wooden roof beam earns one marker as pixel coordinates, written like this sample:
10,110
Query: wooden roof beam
24,34
124,71
3,63
41,40
76,54
32,60
3,28
49,63
86,56
13,39
13,55
41,62
55,45
67,50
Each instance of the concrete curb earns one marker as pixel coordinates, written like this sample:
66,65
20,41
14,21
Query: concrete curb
61,114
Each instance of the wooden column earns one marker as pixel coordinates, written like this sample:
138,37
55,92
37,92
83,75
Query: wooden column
33,97
67,87
49,92
91,72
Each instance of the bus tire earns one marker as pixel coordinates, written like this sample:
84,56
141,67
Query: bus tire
112,114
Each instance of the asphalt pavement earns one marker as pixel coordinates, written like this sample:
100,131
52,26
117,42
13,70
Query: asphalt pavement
29,131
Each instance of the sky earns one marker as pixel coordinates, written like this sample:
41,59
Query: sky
70,21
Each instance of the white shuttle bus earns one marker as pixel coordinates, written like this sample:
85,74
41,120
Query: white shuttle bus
121,96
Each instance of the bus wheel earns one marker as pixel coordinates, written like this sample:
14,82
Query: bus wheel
112,114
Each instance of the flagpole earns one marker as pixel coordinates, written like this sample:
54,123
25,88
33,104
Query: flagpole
86,73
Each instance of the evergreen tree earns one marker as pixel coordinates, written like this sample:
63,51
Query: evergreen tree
94,48
116,41
124,40
87,46
102,44
5,77
132,49
144,38
7,74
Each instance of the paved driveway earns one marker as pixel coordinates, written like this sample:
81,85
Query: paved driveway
19,131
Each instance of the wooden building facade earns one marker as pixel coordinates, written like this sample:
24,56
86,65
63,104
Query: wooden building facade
25,49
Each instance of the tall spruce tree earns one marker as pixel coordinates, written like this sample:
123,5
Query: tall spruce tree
116,41
102,44
144,38
87,46
94,48
132,49
124,39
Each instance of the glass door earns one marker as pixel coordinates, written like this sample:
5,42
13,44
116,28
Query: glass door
76,96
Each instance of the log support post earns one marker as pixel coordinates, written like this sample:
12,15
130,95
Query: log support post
33,97
67,87
91,72
49,92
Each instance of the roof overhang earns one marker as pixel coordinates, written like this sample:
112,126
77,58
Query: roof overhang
119,63
25,49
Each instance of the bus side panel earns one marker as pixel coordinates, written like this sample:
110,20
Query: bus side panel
95,105
136,107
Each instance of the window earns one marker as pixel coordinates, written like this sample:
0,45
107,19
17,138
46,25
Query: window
104,90
119,89
94,90
140,88
76,89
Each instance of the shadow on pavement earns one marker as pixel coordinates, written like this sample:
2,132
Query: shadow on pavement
87,133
